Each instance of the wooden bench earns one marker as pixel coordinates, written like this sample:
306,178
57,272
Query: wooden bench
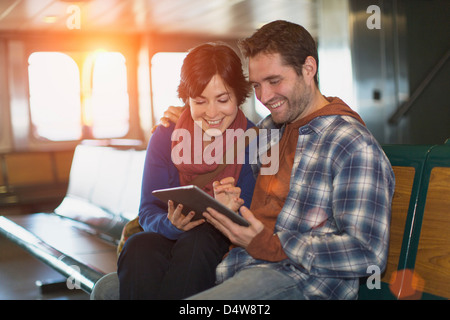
432,257
79,238
419,251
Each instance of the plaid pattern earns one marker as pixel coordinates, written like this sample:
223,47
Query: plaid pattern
335,221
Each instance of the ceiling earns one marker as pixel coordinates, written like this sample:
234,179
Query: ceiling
235,18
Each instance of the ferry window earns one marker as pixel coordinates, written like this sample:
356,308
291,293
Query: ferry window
54,82
67,97
110,109
165,75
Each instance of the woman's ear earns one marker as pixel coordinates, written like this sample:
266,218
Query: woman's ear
309,69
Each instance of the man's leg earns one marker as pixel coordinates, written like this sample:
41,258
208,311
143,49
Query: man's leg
107,288
257,283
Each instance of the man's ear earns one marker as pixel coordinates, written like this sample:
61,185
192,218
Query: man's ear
309,69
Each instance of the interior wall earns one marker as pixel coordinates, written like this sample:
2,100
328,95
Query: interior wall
379,64
391,62
428,41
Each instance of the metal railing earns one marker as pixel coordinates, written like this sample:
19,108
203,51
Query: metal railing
406,106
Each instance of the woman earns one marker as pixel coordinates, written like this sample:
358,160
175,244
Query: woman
176,257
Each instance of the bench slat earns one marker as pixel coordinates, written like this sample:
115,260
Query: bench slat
432,262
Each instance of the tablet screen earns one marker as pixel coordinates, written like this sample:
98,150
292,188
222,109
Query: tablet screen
195,199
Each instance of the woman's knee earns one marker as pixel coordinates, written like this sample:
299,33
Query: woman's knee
143,248
145,242
203,242
207,235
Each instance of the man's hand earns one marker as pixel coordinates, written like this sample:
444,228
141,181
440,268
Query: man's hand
238,235
172,114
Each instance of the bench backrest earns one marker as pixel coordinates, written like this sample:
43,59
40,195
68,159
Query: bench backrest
104,187
418,260
432,257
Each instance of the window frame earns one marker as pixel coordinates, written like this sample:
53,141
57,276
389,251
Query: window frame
5,127
126,45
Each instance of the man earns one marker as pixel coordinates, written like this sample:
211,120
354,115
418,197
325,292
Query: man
323,218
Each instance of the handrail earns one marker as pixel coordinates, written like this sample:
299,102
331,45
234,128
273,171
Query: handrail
404,108
76,271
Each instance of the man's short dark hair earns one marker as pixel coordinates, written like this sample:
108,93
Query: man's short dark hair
293,42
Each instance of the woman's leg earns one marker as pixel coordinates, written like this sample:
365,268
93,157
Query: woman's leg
195,256
142,265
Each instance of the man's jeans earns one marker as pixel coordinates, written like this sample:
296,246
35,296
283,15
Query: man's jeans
257,283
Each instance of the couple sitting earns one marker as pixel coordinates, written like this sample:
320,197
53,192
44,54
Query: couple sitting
316,224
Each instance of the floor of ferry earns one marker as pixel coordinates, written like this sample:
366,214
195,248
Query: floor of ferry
19,272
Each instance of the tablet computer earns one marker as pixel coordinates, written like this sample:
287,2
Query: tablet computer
195,199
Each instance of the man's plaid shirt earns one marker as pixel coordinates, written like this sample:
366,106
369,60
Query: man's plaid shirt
335,222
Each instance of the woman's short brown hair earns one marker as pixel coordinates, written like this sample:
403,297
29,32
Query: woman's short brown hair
207,60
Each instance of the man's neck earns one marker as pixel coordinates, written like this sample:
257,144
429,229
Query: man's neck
317,102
